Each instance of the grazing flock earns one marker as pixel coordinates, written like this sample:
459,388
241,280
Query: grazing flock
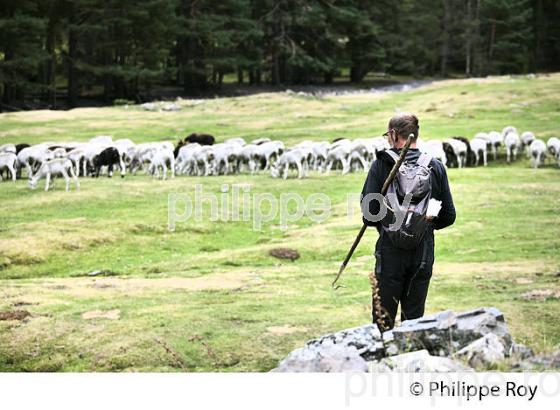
199,155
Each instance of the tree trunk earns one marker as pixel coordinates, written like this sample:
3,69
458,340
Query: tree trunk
445,39
72,91
468,40
492,39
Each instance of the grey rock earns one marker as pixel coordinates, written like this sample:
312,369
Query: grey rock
331,359
483,352
444,333
419,361
365,339
520,351
149,106
541,362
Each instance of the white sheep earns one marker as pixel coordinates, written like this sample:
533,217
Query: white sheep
294,158
8,160
460,150
434,148
479,146
11,148
267,152
57,166
526,139
237,140
537,149
512,143
553,145
160,159
32,157
508,129
338,154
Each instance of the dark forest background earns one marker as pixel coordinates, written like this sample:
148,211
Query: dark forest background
56,53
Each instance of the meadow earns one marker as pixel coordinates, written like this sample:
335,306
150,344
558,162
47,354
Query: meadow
208,296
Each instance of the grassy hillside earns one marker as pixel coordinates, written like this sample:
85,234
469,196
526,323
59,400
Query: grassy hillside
208,297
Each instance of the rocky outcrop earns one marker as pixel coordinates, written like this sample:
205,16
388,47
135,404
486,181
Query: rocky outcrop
442,342
330,359
484,352
414,362
444,333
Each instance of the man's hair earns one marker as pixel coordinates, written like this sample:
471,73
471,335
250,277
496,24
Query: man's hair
405,124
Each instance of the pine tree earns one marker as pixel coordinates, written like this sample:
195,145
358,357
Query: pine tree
21,51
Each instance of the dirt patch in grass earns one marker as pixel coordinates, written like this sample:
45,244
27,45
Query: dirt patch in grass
114,287
14,315
541,294
114,314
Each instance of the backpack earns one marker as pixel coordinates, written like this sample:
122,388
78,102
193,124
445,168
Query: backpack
413,177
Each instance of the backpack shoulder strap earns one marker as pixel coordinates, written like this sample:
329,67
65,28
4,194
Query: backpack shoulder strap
394,156
424,160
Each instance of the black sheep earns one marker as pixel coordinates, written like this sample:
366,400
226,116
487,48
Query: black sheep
19,147
202,139
452,160
108,157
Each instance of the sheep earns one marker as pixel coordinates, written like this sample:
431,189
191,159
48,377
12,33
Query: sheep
9,161
123,146
183,156
460,151
21,146
507,130
247,158
160,159
512,143
553,145
295,157
142,154
260,141
267,152
435,148
338,155
496,140
202,139
32,157
91,150
380,144
57,166
108,157
320,152
102,140
356,160
527,138
479,146
11,148
238,141
538,152
471,157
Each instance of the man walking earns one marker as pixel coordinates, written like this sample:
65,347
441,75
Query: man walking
405,254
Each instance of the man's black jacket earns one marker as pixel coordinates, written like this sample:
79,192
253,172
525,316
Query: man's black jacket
440,186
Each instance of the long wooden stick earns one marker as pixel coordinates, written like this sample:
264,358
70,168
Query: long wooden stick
384,189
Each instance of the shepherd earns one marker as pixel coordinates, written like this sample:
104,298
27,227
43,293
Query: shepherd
419,199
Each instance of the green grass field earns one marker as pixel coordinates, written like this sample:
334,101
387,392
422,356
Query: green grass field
207,296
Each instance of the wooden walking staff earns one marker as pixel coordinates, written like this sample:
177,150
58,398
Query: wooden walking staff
384,189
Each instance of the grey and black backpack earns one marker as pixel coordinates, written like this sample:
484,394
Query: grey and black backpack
414,178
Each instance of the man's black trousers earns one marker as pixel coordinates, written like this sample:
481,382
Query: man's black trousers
403,277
